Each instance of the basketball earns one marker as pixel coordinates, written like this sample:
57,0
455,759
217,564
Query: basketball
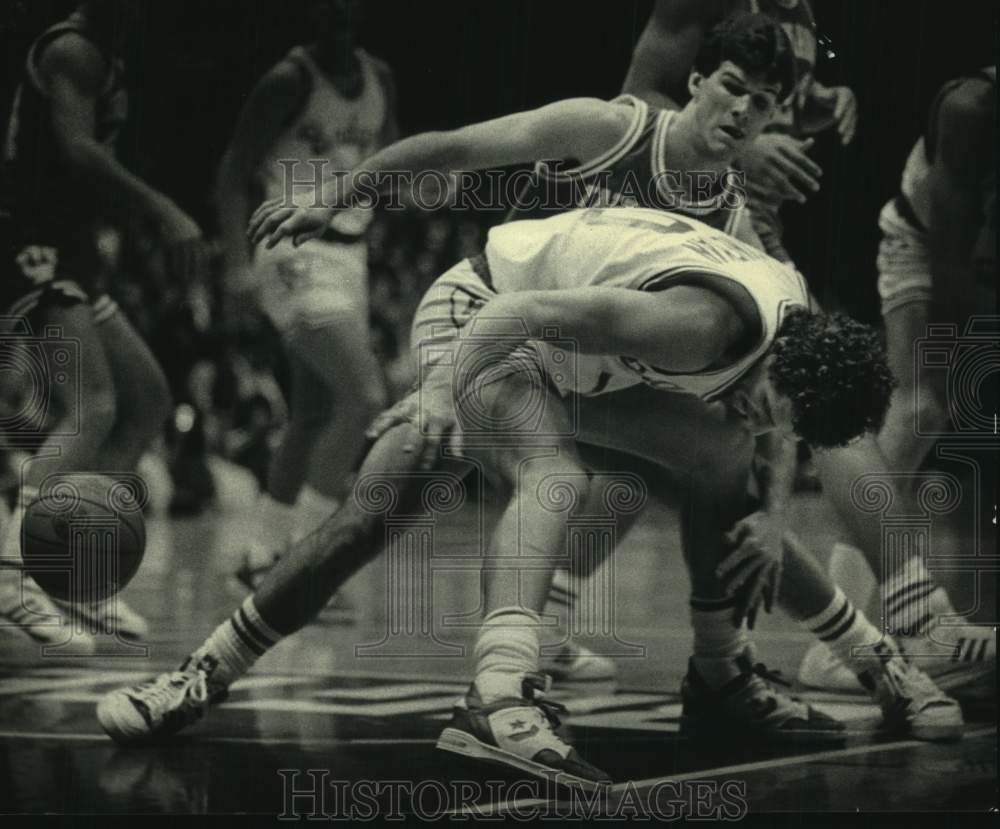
84,536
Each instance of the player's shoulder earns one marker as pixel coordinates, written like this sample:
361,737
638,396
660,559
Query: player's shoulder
74,55
381,67
969,101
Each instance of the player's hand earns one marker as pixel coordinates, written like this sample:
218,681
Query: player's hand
275,220
187,253
782,160
845,113
431,410
752,570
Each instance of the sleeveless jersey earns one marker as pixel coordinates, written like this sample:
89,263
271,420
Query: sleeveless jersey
34,174
914,199
645,250
330,126
633,173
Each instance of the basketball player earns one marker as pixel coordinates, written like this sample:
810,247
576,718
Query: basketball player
778,169
609,153
67,184
937,264
726,330
326,100
777,165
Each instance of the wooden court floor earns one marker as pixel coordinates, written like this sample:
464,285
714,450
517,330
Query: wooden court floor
341,720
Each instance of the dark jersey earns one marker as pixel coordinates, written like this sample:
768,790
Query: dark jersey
45,207
633,173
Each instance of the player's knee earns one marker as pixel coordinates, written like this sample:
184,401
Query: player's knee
558,483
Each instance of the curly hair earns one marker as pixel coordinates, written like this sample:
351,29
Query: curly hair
835,372
755,43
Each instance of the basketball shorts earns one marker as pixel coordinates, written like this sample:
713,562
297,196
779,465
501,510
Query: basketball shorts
904,262
313,285
41,273
447,307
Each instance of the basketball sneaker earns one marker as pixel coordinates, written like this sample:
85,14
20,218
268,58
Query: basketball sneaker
577,663
955,657
111,616
519,734
912,705
160,707
750,707
26,609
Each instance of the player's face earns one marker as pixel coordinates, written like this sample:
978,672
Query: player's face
732,108
337,21
760,404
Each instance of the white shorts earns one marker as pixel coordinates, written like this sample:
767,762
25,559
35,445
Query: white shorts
454,299
312,285
904,261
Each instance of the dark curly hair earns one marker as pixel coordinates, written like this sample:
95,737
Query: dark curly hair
756,44
835,371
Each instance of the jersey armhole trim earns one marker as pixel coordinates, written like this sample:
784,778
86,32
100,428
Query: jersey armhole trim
612,155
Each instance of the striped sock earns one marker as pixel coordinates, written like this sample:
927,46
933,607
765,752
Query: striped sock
235,645
907,598
717,641
507,649
846,631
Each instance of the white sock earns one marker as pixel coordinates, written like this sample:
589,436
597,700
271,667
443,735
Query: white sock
311,510
849,569
506,650
846,631
717,641
908,596
235,645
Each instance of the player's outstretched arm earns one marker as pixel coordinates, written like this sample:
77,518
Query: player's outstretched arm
579,128
74,73
665,52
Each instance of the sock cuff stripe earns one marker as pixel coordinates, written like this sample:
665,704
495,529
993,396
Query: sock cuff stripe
922,587
246,638
840,631
710,605
558,600
558,588
251,630
832,616
255,622
491,618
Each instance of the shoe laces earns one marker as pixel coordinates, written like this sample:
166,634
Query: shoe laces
161,694
533,689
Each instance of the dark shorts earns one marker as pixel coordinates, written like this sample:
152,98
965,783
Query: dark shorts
39,272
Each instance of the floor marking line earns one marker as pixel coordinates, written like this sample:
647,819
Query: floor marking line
496,808
315,741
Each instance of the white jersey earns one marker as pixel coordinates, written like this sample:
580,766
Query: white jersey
645,250
330,126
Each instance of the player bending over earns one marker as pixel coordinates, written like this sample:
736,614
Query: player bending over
652,299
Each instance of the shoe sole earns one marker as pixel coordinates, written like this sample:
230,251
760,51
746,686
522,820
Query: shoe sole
692,728
463,743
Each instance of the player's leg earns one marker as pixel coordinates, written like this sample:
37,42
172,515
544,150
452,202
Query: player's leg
83,404
142,397
291,595
504,717
341,359
142,405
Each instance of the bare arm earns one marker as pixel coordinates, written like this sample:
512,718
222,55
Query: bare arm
75,73
667,47
964,153
576,128
683,329
273,102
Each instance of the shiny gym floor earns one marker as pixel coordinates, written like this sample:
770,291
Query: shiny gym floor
341,720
